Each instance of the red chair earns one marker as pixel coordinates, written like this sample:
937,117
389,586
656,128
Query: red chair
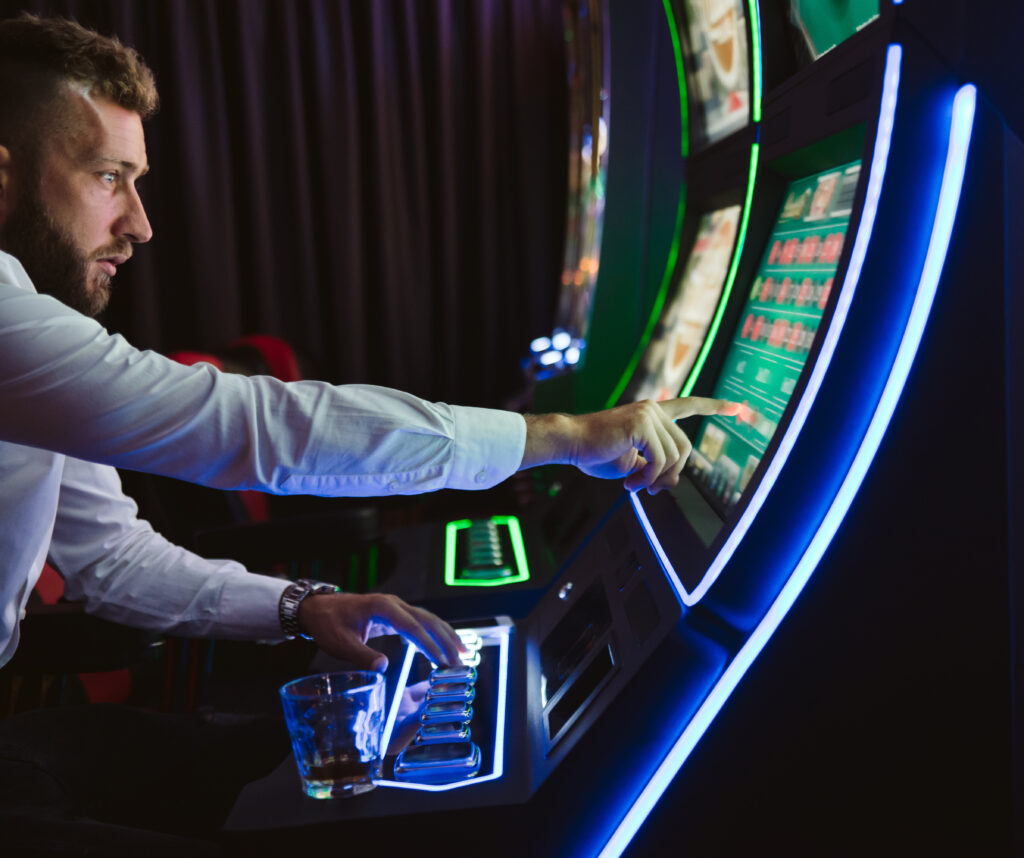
277,355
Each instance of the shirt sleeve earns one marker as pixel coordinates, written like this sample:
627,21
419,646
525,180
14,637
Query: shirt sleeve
127,573
69,386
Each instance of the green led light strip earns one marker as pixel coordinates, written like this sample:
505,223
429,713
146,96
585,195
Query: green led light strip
673,254
677,49
515,534
755,40
730,278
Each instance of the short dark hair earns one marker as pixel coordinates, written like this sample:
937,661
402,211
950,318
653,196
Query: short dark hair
39,56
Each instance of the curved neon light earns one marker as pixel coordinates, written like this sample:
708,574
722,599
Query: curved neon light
755,38
942,226
876,176
741,235
677,50
673,253
730,279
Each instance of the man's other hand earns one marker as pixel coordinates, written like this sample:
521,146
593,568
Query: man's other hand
639,441
341,623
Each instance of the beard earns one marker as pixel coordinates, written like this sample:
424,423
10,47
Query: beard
53,262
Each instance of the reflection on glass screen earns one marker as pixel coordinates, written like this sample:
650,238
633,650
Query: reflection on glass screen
684,323
717,67
776,330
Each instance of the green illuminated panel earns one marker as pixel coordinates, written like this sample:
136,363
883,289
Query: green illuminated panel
454,577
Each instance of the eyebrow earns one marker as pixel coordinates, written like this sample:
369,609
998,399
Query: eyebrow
130,166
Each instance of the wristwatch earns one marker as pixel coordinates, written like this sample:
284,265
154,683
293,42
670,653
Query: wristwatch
291,598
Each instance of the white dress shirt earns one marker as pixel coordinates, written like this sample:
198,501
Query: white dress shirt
76,402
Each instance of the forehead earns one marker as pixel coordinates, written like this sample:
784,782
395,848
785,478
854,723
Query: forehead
91,130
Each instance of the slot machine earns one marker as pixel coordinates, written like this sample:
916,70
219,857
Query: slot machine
805,644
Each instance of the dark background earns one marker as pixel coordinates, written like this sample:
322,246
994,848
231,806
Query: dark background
380,182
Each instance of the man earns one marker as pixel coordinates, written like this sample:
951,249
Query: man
76,402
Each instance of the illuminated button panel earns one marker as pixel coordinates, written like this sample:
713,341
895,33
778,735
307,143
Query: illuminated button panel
485,552
446,726
441,751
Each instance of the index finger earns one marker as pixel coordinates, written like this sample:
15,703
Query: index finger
445,636
688,406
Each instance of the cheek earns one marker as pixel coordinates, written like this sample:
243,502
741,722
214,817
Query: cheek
82,214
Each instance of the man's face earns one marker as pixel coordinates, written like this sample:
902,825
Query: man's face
76,211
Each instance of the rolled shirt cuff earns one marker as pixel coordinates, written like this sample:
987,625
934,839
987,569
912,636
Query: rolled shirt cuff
248,608
489,446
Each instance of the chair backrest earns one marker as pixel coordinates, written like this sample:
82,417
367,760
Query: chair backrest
277,355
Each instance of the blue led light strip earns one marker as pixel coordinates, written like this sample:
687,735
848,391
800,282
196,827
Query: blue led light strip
876,176
949,198
403,678
492,636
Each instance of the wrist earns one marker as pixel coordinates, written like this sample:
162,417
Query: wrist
550,439
291,603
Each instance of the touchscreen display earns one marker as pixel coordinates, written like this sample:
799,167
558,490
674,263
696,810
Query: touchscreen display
776,329
684,324
718,69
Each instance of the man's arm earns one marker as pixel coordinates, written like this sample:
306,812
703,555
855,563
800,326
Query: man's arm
127,573
68,386
639,441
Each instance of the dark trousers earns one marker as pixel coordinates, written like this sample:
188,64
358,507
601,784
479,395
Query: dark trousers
112,780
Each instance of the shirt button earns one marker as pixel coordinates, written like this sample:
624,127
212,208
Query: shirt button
481,476
393,486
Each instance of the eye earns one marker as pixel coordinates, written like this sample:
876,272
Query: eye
108,177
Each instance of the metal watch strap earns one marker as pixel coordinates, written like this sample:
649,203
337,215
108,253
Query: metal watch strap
291,598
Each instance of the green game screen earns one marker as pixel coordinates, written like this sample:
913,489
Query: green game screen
823,24
776,330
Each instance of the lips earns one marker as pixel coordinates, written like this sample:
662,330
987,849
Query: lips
109,263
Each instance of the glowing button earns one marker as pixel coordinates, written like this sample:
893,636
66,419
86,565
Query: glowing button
550,358
470,639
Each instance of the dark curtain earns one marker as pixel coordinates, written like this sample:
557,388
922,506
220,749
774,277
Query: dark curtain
380,182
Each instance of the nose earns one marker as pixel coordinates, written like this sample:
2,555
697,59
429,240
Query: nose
134,224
